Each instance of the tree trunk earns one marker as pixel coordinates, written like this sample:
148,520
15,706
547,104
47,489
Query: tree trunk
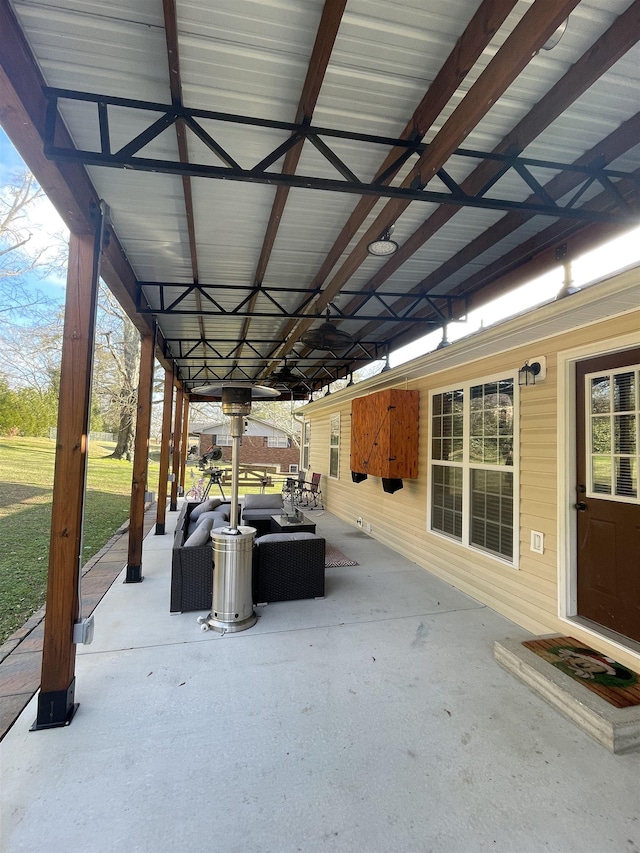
128,394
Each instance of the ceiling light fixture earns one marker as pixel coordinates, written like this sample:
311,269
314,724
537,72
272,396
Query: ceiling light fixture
555,36
384,245
445,342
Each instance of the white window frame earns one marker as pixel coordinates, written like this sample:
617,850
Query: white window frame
467,467
305,445
611,414
279,441
334,445
224,440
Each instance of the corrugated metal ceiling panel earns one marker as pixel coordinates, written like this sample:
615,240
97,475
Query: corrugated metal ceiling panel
251,58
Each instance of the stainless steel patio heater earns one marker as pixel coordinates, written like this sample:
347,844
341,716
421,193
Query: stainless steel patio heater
232,604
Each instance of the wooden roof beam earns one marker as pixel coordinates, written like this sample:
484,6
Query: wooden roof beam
623,34
490,15
615,145
325,39
527,38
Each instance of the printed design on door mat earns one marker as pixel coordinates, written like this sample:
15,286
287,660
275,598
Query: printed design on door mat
614,682
333,558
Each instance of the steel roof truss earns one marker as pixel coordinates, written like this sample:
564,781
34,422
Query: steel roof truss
125,158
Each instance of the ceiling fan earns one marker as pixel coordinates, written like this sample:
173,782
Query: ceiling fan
285,375
327,337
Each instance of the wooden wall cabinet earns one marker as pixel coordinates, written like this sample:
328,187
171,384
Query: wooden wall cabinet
384,434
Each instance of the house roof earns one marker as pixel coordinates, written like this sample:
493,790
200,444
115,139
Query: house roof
257,424
249,152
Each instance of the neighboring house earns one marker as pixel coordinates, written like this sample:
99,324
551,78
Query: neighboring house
527,497
262,444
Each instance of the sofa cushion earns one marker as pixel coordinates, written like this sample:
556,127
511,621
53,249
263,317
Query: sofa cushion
217,519
201,535
206,506
262,502
284,537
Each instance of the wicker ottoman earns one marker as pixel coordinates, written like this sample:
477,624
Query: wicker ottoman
288,566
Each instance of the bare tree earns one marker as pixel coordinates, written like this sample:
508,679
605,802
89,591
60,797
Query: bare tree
116,369
25,255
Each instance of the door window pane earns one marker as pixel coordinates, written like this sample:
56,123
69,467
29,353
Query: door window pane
601,474
601,394
626,477
613,409
624,392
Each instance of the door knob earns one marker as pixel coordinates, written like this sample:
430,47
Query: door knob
580,506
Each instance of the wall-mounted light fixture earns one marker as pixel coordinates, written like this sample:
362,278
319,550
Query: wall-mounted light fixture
532,371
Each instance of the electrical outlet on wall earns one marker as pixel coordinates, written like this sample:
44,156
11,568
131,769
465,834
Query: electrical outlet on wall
537,542
368,527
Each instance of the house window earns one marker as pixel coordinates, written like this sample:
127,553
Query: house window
224,441
293,469
472,465
334,446
277,441
306,438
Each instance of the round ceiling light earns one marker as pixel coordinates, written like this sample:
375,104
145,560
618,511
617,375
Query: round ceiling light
384,245
382,248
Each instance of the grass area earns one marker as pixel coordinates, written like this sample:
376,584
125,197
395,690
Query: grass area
26,478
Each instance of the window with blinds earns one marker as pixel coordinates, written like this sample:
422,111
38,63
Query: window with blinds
613,416
472,465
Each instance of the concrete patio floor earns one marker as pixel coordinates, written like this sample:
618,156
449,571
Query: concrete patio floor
373,720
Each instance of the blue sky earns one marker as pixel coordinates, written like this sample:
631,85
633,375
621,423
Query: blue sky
44,222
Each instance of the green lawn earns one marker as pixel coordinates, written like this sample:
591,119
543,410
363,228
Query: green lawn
26,477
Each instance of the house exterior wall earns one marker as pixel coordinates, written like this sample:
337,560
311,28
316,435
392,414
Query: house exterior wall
254,451
529,593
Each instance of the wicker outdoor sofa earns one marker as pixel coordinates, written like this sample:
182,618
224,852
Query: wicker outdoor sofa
191,567
286,566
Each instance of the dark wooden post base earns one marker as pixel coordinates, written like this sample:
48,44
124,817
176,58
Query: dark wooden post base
56,708
134,574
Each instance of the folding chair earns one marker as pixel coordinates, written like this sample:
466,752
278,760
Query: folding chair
289,491
311,493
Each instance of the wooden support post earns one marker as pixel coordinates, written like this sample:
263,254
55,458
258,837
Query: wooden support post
140,462
175,465
161,514
56,705
184,448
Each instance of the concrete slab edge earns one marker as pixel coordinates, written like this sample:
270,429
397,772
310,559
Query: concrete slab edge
618,729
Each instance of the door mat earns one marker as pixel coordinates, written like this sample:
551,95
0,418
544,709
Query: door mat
602,675
334,558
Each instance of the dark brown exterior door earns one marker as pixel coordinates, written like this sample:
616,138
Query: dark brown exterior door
608,499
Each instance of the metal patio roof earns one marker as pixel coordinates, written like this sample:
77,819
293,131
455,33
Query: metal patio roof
249,151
